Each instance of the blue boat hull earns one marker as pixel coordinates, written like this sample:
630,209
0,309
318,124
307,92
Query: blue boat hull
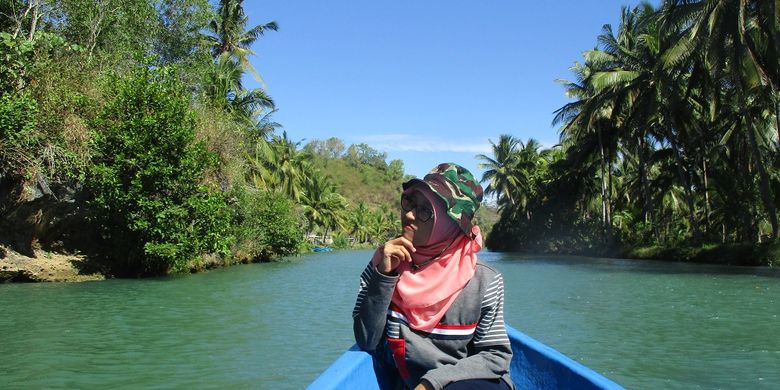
534,366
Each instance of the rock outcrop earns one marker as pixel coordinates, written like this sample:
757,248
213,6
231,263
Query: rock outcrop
44,267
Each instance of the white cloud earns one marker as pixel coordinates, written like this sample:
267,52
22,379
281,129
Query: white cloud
415,143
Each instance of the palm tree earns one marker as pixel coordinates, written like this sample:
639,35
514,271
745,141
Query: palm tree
739,41
500,171
224,89
278,165
322,205
672,127
381,225
265,126
229,36
587,122
358,222
628,90
530,165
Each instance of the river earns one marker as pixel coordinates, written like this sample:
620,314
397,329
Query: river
643,324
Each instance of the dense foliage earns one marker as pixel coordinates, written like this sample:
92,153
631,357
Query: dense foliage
671,137
267,226
145,177
17,130
134,113
126,133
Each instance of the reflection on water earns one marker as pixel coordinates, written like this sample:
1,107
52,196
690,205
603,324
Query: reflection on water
643,324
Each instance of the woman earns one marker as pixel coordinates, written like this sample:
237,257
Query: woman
428,312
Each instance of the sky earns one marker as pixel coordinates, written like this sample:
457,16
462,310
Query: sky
423,81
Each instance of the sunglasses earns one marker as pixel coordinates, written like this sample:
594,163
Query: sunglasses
422,213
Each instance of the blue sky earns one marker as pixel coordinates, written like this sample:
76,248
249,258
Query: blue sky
424,81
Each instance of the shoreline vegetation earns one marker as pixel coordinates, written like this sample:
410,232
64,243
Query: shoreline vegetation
668,149
59,267
733,254
129,140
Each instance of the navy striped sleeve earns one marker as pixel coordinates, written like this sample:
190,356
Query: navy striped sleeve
491,329
365,277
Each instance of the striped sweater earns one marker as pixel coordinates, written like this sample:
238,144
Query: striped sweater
470,342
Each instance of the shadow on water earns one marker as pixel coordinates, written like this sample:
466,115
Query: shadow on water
603,264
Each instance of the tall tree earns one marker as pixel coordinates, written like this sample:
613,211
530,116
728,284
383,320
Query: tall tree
223,88
180,23
500,173
229,34
278,165
739,41
322,205
358,222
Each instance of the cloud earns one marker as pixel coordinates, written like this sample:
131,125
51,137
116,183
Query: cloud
415,143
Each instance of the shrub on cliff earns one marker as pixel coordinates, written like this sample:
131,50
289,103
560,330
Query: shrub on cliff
145,180
30,151
18,139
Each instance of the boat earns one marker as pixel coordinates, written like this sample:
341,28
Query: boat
319,249
534,366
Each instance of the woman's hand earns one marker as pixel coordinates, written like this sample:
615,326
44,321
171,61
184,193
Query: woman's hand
424,385
395,251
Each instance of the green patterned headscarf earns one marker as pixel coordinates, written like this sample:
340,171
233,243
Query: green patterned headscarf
456,186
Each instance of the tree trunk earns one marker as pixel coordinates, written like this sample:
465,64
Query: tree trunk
20,19
36,4
776,97
686,182
643,179
96,24
648,213
706,194
706,189
609,197
603,187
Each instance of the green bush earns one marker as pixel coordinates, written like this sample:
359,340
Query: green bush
153,213
15,58
341,241
35,141
267,227
773,254
19,141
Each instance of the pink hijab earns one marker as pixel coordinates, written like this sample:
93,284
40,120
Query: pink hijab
425,294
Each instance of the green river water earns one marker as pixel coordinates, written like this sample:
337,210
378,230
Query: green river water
645,325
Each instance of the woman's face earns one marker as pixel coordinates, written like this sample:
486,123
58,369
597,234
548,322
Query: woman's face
416,218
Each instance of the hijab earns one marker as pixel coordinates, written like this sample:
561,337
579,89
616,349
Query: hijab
446,264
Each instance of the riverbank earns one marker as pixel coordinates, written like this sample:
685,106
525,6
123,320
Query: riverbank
58,267
743,254
45,267
48,266
738,254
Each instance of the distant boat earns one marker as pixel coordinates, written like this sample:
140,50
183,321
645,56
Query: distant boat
534,366
322,249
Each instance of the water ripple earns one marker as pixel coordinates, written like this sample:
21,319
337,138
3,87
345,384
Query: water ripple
644,324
